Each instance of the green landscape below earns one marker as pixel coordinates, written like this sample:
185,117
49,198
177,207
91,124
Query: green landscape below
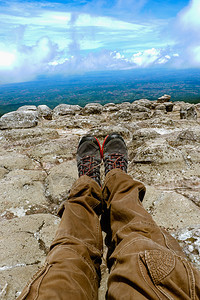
103,87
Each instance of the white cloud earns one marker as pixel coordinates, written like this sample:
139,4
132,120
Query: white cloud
175,55
146,58
188,35
58,61
85,20
36,39
75,41
92,30
195,53
93,61
7,59
110,60
45,58
189,16
24,63
118,55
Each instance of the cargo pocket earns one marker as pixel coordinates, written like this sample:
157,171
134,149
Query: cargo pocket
35,283
160,264
171,276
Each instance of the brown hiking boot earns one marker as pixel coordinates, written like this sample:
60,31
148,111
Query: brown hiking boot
114,152
89,158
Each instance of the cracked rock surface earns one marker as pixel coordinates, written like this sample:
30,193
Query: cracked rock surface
38,167
24,244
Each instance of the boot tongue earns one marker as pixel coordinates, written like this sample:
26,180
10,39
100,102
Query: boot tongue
89,149
115,146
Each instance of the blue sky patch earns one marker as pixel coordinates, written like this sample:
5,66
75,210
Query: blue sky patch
70,37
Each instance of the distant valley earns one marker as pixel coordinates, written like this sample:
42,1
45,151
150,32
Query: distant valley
103,87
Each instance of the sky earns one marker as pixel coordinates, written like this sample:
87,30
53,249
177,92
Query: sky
74,37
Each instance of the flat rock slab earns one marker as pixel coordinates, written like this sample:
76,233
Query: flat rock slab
51,151
19,119
20,190
170,209
60,180
14,160
23,248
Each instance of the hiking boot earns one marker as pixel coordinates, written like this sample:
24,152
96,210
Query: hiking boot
89,158
114,152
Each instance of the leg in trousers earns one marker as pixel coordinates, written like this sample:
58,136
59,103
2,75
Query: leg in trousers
72,265
145,262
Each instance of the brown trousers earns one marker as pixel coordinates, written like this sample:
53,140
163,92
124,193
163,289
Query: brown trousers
145,262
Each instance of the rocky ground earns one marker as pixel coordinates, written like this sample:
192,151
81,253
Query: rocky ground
38,167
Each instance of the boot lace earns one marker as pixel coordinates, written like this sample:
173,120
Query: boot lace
115,160
90,167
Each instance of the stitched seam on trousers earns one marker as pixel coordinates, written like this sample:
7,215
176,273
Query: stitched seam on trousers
27,288
40,281
95,205
92,248
84,260
131,242
166,243
153,275
190,277
86,244
132,222
88,264
91,267
156,286
143,275
84,291
164,293
128,225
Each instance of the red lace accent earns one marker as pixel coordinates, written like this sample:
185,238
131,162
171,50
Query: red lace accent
88,166
115,160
